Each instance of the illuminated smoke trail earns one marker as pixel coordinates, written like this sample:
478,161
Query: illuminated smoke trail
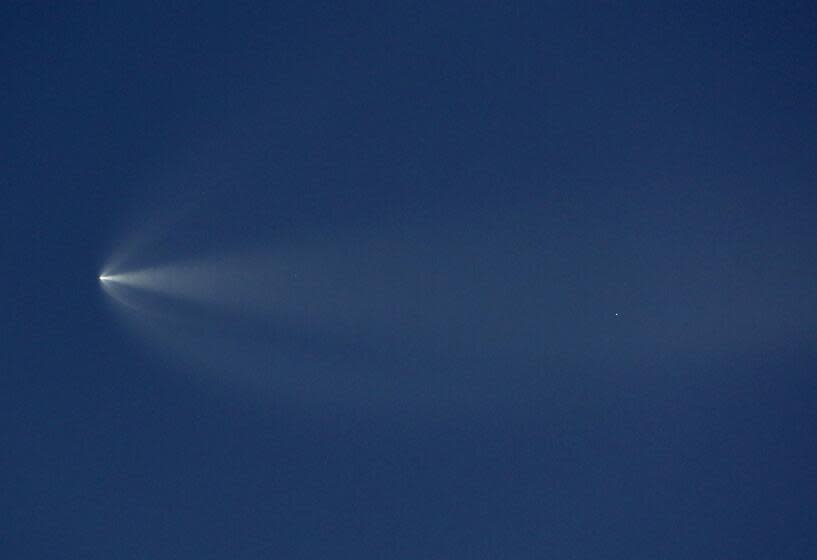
412,318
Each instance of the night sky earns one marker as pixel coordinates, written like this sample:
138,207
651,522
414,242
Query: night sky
542,280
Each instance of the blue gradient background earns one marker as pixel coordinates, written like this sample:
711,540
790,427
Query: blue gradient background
660,158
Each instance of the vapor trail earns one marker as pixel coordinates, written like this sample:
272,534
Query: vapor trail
410,317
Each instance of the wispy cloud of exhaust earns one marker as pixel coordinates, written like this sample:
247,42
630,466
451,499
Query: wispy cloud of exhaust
447,317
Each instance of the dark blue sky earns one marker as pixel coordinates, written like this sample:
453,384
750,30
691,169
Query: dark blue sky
624,195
